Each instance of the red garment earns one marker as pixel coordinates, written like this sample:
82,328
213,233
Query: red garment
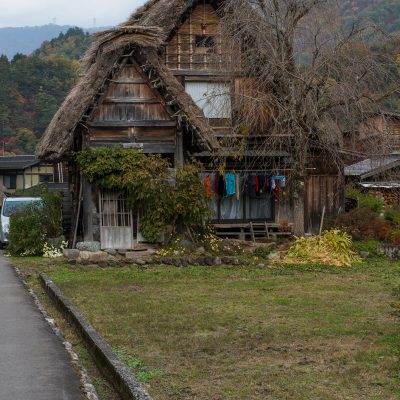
207,184
277,190
257,185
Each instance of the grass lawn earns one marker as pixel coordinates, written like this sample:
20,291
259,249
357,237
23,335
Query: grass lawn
219,333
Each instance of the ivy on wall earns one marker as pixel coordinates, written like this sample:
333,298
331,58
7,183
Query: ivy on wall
161,197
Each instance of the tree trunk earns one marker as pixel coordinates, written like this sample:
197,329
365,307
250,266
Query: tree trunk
298,214
298,193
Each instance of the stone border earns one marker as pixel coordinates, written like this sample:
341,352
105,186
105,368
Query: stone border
109,364
87,386
389,250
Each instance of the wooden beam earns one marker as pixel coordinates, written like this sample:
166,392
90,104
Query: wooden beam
187,72
127,81
131,100
128,124
148,148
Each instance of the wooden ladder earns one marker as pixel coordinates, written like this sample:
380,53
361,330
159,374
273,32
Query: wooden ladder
266,230
253,236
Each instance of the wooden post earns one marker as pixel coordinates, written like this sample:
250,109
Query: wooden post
322,221
88,208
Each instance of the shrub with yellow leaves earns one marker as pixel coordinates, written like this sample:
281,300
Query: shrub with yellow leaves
331,248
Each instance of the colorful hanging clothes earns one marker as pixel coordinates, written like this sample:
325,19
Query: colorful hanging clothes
216,183
277,190
281,179
251,183
207,184
230,184
261,184
221,186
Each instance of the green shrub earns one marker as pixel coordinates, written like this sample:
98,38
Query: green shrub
34,224
392,215
161,198
27,234
365,200
263,252
369,245
52,213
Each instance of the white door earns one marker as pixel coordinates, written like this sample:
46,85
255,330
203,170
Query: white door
117,225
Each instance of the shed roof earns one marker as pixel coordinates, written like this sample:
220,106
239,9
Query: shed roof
380,185
17,162
372,166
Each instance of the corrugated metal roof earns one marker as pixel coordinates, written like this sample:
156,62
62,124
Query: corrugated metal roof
380,185
372,166
17,162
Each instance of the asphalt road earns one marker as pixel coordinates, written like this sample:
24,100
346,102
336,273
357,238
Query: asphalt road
33,362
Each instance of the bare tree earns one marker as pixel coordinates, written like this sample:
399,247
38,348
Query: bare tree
305,79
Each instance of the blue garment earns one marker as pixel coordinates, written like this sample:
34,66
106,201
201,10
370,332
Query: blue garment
230,183
281,179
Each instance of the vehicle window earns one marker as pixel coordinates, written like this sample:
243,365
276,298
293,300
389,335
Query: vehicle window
14,206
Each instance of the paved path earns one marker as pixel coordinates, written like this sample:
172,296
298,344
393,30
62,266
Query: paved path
33,362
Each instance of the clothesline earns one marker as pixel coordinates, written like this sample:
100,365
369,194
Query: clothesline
252,170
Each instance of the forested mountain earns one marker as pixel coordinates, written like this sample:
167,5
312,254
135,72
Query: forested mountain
71,45
32,88
385,13
25,40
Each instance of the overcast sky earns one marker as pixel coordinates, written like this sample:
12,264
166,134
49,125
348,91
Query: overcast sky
66,12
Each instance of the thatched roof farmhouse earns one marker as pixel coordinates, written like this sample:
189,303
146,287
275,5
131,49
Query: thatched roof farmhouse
145,84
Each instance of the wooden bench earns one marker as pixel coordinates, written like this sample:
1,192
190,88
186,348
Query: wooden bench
251,230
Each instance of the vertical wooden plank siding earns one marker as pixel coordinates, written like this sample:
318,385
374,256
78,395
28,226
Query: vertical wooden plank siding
181,53
321,190
128,100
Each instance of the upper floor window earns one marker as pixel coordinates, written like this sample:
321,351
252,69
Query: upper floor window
214,98
204,44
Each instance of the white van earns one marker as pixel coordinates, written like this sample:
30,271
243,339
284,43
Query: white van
10,206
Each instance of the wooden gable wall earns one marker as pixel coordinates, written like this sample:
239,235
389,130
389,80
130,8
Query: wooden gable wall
131,111
183,52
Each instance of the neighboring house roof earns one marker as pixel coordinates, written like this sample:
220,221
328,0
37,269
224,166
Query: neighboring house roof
147,28
372,166
17,162
380,185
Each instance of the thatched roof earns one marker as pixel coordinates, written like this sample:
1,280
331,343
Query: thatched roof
148,28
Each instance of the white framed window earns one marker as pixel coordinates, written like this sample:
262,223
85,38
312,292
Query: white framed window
214,98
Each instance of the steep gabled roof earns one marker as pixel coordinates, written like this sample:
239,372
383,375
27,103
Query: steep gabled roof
146,29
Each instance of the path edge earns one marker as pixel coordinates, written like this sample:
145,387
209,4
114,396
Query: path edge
107,361
87,387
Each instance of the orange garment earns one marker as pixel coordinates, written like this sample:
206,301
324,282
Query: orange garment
207,184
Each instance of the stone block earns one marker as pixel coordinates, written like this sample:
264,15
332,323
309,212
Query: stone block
217,261
91,257
111,252
93,247
274,256
71,254
131,255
